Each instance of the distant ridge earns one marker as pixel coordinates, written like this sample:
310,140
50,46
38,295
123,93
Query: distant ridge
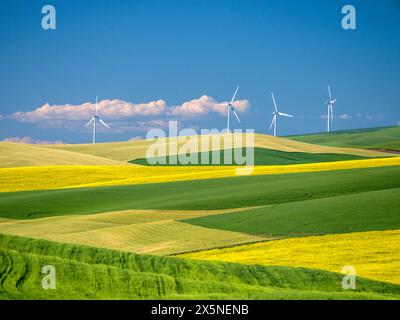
382,138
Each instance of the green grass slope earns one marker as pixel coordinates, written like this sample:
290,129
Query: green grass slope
90,273
261,157
365,211
130,150
373,138
213,194
23,155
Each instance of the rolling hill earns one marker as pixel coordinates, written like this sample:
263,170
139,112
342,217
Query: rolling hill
142,231
23,155
289,224
92,273
262,156
57,177
373,138
238,192
128,151
373,254
359,211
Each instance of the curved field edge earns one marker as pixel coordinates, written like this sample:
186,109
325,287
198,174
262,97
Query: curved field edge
360,211
239,192
90,273
141,231
373,254
22,155
55,177
126,151
228,157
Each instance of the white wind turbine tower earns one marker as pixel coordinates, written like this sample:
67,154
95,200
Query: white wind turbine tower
276,114
330,104
230,107
94,120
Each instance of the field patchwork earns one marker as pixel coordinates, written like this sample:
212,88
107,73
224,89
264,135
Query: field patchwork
361,211
140,231
93,273
45,178
374,254
283,229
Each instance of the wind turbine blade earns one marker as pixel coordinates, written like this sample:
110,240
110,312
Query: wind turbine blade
91,120
285,114
330,95
234,112
333,101
104,124
273,99
234,95
272,123
96,104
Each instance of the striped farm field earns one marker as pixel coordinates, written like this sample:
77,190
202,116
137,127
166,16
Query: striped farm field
119,153
54,177
24,155
126,151
374,254
93,273
355,212
210,194
142,231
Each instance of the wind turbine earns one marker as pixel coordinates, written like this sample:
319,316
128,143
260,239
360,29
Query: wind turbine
94,120
330,104
230,107
276,114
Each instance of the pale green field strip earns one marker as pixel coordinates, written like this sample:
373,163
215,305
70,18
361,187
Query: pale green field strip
377,138
25,155
141,231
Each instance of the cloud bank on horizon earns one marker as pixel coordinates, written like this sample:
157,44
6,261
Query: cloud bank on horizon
117,109
29,140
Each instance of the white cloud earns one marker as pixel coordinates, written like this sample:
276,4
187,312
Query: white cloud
345,116
60,115
110,109
29,140
204,105
135,138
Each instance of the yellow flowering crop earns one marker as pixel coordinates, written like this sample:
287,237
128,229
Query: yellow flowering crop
374,254
54,177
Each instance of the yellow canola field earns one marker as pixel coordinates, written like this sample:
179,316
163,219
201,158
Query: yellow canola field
373,254
54,177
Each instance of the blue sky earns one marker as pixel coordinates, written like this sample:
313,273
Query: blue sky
150,57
